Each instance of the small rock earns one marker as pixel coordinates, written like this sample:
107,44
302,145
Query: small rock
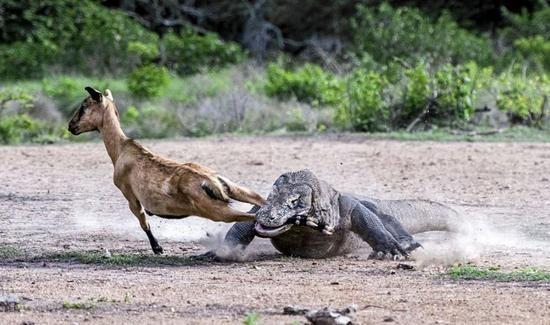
255,163
388,319
403,266
328,316
335,283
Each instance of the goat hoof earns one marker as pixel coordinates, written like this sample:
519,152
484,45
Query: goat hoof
158,250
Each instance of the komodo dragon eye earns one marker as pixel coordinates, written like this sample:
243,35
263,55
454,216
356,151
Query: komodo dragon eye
294,201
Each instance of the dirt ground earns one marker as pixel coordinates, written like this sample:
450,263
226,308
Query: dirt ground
61,198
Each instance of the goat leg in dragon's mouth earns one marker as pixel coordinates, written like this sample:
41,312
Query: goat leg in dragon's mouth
303,220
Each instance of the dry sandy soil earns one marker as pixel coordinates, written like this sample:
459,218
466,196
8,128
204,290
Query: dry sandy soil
60,198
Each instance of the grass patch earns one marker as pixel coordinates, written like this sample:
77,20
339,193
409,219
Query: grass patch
7,251
77,305
117,259
470,272
252,319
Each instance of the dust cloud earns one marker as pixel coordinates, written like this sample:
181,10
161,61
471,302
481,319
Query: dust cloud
475,239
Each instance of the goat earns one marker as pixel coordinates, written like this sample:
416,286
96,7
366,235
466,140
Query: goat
156,185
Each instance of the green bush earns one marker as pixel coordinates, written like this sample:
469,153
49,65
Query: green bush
526,24
418,91
24,59
15,129
308,84
22,97
148,80
535,50
17,126
446,96
144,52
525,40
189,53
457,88
524,98
42,35
363,107
407,33
67,92
151,122
295,121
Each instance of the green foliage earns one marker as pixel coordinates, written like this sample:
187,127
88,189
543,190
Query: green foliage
307,84
524,98
363,107
9,251
535,49
24,59
407,33
130,116
295,121
457,88
17,126
10,94
67,91
469,272
150,121
189,53
148,80
527,24
83,34
23,128
145,52
252,319
418,90
525,39
77,305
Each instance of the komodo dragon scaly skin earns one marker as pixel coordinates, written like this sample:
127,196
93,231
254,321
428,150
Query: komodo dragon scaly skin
306,217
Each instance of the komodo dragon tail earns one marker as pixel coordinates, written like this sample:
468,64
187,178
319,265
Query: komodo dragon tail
418,216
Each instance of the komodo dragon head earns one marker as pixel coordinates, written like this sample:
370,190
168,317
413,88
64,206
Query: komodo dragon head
298,198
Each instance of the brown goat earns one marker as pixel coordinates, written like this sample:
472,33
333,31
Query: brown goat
156,185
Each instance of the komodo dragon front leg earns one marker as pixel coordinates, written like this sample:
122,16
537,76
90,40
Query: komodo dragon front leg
240,235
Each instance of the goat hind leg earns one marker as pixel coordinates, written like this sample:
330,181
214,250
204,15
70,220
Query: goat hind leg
241,193
224,213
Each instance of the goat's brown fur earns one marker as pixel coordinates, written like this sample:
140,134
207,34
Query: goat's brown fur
155,184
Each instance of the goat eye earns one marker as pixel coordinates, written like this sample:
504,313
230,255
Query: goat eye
295,201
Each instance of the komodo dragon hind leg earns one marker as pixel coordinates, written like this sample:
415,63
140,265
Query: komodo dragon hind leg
385,243
394,227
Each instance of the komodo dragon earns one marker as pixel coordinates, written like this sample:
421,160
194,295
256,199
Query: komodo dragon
306,217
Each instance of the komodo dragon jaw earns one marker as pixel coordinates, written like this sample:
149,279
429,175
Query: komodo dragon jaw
291,202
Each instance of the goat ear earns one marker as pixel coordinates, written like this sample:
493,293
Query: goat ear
109,94
95,94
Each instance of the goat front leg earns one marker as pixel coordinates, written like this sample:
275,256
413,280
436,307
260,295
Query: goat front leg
137,210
